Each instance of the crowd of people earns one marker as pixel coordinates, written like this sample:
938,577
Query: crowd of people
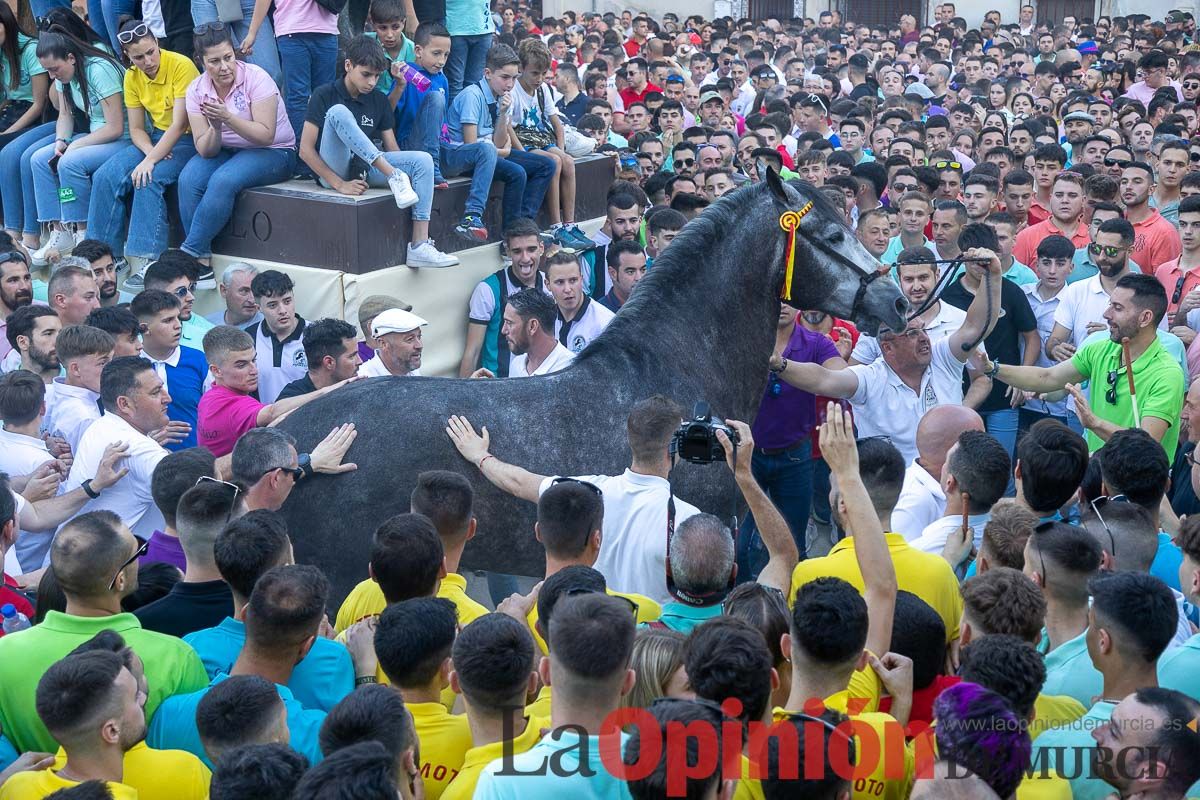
970,562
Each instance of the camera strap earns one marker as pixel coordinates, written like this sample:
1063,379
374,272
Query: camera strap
690,598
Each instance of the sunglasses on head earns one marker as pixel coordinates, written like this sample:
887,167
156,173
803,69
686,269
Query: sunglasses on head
137,32
13,255
816,98
942,165
593,488
200,30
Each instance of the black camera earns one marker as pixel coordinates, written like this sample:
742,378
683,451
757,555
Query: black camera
696,440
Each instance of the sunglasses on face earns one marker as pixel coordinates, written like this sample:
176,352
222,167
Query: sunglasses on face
136,32
295,472
184,291
685,162
905,187
1109,250
143,547
1117,162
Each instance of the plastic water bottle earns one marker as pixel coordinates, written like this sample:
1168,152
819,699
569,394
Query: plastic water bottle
13,620
417,78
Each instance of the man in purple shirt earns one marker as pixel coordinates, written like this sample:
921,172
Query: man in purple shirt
175,474
782,462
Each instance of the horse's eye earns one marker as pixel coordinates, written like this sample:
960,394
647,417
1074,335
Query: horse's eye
837,237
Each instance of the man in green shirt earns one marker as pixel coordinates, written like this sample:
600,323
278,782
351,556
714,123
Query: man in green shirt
1136,306
95,559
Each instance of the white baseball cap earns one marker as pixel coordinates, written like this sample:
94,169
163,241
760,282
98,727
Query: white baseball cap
396,320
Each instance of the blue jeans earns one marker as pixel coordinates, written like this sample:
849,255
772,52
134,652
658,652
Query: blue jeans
149,227
208,188
341,138
427,129
75,170
309,60
103,15
42,7
467,57
1003,424
526,177
477,158
787,478
265,53
16,177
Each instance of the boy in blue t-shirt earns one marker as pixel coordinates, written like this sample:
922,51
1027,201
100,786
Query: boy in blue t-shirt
182,369
420,113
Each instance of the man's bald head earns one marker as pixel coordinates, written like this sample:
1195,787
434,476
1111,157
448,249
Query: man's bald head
939,430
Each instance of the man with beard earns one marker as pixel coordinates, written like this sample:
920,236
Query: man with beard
32,331
104,269
400,345
1155,241
1078,126
331,350
623,222
1083,302
1136,305
487,347
712,108
529,321
16,291
626,267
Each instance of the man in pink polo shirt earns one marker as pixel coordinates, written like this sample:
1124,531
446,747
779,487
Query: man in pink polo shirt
1155,241
229,409
1066,211
1181,276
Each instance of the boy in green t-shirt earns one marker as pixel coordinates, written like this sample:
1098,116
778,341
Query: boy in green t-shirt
387,20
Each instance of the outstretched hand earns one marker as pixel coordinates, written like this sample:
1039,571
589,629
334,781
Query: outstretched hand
472,446
836,438
327,456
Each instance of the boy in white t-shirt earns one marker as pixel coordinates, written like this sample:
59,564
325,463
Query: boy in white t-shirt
533,107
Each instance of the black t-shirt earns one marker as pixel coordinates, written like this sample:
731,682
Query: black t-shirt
430,10
188,607
1004,343
371,111
298,388
574,109
1183,497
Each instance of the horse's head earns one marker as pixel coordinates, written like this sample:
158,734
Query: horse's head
832,271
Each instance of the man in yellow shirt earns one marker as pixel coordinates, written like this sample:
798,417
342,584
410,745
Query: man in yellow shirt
834,633
447,499
493,659
373,713
570,517
413,643
93,706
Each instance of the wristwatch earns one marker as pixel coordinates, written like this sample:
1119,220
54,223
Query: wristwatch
991,373
88,490
304,461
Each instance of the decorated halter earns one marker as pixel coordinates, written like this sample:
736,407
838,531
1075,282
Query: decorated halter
790,222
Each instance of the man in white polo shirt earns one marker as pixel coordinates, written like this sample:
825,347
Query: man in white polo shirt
399,335
580,318
528,326
634,555
892,394
922,501
278,348
135,403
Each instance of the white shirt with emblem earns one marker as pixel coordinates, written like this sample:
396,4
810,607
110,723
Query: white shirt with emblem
559,358
73,410
279,363
885,406
590,321
921,503
129,498
374,368
633,556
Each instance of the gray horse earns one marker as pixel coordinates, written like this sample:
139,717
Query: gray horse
700,326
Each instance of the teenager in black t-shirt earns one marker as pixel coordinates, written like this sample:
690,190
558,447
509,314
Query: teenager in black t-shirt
348,141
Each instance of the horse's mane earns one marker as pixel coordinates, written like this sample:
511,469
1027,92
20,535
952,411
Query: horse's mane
675,271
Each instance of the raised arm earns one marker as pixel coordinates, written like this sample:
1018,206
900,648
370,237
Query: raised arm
473,446
870,547
979,323
1035,379
772,527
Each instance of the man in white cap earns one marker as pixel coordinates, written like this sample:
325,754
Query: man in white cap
399,335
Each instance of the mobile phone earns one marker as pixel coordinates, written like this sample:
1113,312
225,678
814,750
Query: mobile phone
53,163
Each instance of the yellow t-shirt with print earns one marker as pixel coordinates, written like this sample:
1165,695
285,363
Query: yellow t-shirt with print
158,96
463,786
160,774
1052,786
36,784
647,611
444,741
1052,711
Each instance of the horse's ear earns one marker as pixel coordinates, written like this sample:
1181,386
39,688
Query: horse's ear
774,181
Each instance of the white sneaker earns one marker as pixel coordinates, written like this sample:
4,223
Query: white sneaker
425,254
60,243
402,190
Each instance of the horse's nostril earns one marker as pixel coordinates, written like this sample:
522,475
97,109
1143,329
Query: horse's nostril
901,305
